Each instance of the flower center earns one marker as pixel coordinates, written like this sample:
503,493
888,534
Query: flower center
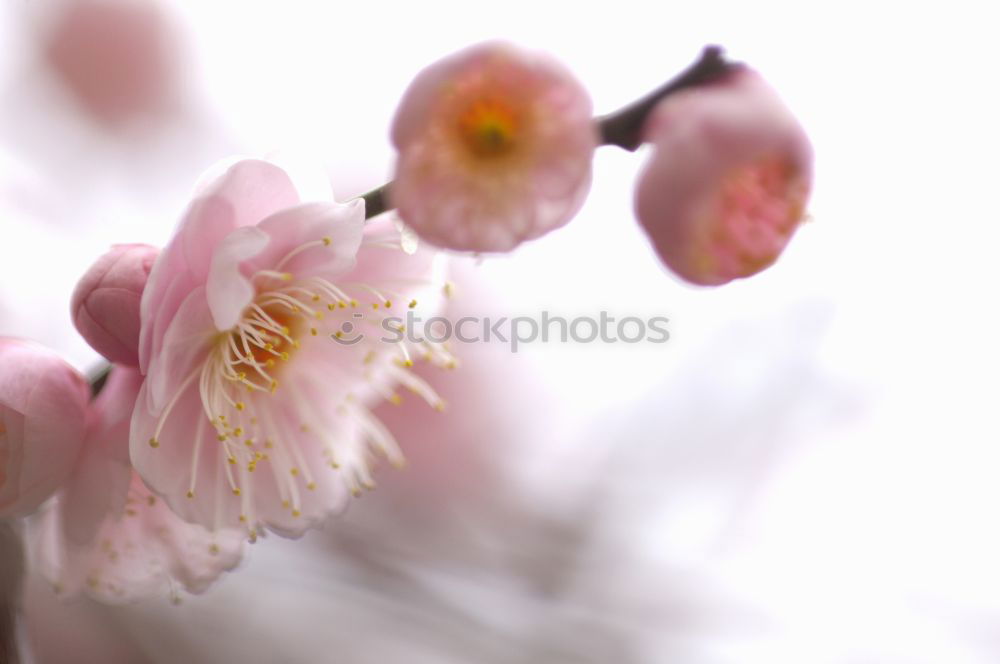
759,207
488,128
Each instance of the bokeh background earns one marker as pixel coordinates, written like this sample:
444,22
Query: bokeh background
806,472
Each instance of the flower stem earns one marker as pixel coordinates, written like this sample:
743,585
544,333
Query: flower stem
623,128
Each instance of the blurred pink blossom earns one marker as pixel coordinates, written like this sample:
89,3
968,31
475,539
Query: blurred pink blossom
728,182
42,405
115,57
261,344
106,534
495,147
105,304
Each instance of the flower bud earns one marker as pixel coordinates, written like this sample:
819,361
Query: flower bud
728,181
105,304
495,147
43,402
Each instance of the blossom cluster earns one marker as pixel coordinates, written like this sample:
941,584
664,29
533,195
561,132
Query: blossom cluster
230,409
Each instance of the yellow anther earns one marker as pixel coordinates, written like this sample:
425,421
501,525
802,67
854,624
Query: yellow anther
274,386
190,494
326,241
313,331
413,303
388,304
315,298
296,344
269,346
154,442
311,486
286,276
374,305
238,431
319,315
294,471
130,512
236,491
252,466
222,437
338,334
354,303
213,549
240,405
268,444
296,513
286,330
243,518
231,460
150,500
284,355
395,399
249,442
342,304
285,504
269,363
331,306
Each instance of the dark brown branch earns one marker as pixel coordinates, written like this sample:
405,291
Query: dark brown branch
624,127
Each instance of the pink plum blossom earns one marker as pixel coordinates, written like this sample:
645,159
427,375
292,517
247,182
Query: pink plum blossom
43,402
105,304
106,533
728,181
495,147
262,346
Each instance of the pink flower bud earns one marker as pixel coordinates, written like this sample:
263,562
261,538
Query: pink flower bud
728,182
105,303
495,147
43,401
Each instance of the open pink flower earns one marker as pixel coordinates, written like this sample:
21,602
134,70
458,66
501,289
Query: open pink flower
105,303
108,535
728,182
261,341
495,147
43,402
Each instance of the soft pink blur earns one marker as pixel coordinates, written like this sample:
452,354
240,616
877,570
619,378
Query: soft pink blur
42,405
107,535
115,57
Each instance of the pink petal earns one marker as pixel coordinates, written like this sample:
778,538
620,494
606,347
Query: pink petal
227,290
243,195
